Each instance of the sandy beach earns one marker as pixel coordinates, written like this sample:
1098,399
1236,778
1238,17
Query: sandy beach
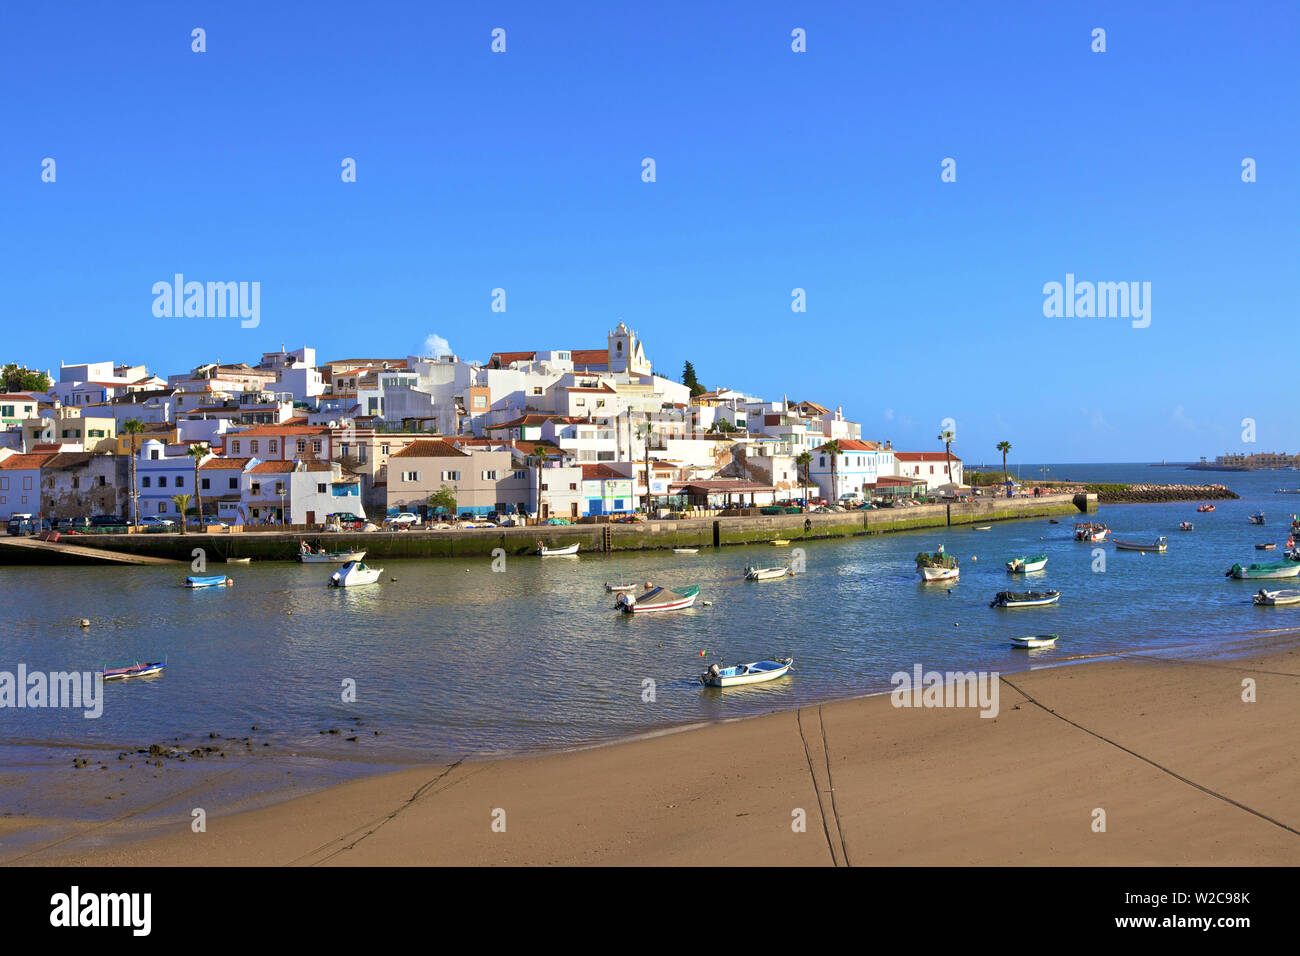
1186,772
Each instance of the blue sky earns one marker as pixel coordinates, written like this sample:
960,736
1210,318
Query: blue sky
775,170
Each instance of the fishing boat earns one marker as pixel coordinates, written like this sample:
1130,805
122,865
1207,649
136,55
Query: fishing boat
1186,526
1256,518
1035,640
134,670
985,527
754,673
780,542
619,587
208,581
937,566
1271,569
1205,508
320,556
238,560
1267,546
546,552
686,550
1277,597
1025,598
766,574
658,599
1090,531
1159,545
1024,565
354,573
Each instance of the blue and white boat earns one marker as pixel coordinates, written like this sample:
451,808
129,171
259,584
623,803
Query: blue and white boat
1025,598
755,673
208,581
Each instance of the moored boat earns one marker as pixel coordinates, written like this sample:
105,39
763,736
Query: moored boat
1090,531
1186,526
1024,598
937,566
1159,545
354,573
1256,518
619,587
1271,569
1035,640
546,552
137,669
1205,509
754,673
658,599
238,560
766,574
1277,597
308,555
208,581
1267,546
686,550
1026,564
780,542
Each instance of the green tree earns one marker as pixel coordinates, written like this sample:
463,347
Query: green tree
134,427
539,456
948,436
444,499
21,379
689,380
645,431
198,453
182,503
804,462
1004,447
832,448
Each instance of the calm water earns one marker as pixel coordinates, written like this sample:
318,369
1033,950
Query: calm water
453,659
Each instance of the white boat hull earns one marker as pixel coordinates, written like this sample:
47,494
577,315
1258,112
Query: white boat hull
1036,641
350,576
1277,598
557,552
940,574
337,557
1027,568
766,574
753,677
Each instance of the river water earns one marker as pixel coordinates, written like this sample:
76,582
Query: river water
452,658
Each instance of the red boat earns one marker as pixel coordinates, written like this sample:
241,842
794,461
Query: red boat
1205,508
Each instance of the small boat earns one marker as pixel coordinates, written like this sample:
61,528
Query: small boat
208,581
619,587
780,543
1024,565
1277,597
1035,640
238,560
754,673
1272,569
1205,508
1256,518
1185,526
307,556
134,670
1090,531
985,527
354,573
686,550
937,566
546,552
1270,546
766,574
1159,545
1025,598
1052,521
658,599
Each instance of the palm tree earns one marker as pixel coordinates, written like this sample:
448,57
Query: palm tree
182,503
832,448
133,427
804,462
538,457
643,432
1004,447
198,453
948,436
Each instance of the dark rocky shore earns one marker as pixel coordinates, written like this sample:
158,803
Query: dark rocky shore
1114,494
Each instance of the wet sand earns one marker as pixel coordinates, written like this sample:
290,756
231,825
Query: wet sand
1186,772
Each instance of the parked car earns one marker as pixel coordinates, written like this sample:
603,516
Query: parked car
403,520
22,524
154,521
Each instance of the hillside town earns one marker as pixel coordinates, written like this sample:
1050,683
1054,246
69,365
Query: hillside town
547,436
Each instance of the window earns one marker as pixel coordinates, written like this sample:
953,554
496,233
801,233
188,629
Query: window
254,446
302,446
519,474
144,482
162,481
279,487
204,485
234,447
344,450
383,448
451,476
153,454
490,475
573,486
479,402
537,389
410,476
545,487
4,484
320,489
315,446
162,507
234,484
180,481
821,461
256,488
273,445
76,482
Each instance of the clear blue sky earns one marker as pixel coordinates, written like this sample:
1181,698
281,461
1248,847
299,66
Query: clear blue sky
775,170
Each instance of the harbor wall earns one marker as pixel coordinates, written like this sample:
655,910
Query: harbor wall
640,536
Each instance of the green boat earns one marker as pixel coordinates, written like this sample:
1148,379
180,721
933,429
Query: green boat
1270,569
1023,564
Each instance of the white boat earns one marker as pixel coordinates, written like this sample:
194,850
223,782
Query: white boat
985,527
238,560
1035,640
657,599
1090,531
940,574
686,550
1271,569
546,552
1256,518
208,581
1024,598
937,566
354,573
754,673
766,574
1277,597
330,557
1026,564
1159,545
619,587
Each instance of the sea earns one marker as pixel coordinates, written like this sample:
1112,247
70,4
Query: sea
295,685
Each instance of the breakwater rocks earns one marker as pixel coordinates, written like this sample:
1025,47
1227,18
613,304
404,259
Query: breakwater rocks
1112,494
